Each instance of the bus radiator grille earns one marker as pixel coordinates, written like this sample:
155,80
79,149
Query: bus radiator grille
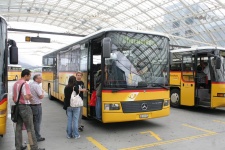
141,106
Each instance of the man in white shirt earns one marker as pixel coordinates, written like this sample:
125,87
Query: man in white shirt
38,95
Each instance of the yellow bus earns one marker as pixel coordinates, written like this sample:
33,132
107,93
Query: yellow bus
13,59
14,72
138,73
197,77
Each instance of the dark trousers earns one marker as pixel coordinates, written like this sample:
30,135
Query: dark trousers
37,117
26,117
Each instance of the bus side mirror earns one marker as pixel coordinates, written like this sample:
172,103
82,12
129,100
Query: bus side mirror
218,63
171,57
13,52
106,46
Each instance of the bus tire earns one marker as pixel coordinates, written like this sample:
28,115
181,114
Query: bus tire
49,93
16,78
175,98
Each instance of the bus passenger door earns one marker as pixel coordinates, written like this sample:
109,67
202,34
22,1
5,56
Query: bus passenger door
187,81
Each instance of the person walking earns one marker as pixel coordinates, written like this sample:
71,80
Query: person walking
82,89
37,95
25,112
72,112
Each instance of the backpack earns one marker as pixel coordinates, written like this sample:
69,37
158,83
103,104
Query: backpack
75,100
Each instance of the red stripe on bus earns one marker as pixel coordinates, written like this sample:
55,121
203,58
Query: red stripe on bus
218,82
4,100
135,90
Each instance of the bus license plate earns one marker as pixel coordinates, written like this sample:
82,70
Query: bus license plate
144,116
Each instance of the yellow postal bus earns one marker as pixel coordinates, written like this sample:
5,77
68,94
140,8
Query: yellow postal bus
14,72
197,77
13,59
137,62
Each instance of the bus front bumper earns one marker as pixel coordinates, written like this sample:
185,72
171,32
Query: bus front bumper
109,117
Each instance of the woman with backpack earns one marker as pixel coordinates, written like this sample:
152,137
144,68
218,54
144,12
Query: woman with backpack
72,112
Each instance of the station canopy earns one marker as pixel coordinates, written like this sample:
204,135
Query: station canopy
188,22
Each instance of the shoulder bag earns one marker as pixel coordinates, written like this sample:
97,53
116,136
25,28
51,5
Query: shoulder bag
15,108
75,100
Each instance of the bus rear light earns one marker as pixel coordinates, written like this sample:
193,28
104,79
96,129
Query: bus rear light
115,106
220,94
166,102
2,112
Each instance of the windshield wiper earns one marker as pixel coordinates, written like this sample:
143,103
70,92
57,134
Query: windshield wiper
160,85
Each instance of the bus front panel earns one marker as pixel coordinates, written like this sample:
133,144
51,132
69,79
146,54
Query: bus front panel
133,105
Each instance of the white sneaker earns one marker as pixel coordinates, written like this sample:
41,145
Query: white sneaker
77,137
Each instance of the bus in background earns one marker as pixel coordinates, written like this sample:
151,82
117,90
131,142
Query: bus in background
14,72
135,85
5,51
197,77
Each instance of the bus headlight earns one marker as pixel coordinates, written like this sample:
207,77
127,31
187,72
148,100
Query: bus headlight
166,102
115,106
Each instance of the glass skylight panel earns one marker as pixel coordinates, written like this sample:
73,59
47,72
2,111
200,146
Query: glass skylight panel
100,7
130,21
74,6
92,3
64,3
120,8
121,16
110,3
133,11
85,9
146,4
142,17
151,22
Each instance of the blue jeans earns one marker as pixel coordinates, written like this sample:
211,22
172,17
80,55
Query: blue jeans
98,108
37,117
72,121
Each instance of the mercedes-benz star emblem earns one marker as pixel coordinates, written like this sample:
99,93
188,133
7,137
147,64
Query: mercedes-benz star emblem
144,106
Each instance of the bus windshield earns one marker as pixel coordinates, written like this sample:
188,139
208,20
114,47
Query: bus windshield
137,60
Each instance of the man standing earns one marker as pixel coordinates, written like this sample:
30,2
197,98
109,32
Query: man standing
82,89
37,94
25,111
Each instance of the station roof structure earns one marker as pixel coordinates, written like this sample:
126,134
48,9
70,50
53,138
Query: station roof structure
188,22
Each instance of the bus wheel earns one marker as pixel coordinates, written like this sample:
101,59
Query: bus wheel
49,93
175,98
16,78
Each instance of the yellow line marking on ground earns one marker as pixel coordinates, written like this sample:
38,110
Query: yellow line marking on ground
152,134
96,143
204,130
28,146
208,133
169,141
219,121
